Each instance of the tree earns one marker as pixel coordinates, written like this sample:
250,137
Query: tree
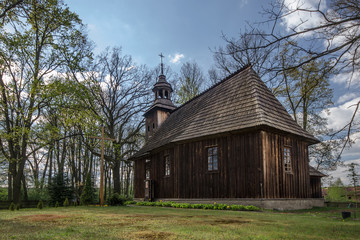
321,32
59,189
322,41
32,46
88,194
191,80
120,90
353,176
336,192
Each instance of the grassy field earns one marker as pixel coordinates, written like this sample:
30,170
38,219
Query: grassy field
136,222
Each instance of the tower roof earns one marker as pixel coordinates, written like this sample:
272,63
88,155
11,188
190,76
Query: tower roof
240,101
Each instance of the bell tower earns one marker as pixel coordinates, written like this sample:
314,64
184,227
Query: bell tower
162,105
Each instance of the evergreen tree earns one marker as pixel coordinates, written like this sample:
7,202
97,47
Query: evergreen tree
59,189
88,194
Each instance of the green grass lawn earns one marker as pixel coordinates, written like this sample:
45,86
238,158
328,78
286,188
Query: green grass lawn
135,222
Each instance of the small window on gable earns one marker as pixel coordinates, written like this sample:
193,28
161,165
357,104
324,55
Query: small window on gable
212,158
148,128
153,125
167,165
287,159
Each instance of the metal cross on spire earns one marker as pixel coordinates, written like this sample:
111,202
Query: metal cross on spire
162,65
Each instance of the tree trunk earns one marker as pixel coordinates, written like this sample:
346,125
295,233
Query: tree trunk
116,176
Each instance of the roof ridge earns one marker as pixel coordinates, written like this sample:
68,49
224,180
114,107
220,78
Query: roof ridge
213,86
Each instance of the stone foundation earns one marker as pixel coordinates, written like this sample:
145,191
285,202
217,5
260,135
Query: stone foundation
276,204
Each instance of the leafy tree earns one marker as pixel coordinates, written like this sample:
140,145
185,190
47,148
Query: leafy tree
88,194
336,192
41,39
191,80
59,189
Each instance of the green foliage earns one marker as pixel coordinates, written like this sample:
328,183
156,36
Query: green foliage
17,207
336,192
40,204
3,194
66,202
117,200
59,189
57,204
36,194
75,204
214,206
12,206
88,195
130,203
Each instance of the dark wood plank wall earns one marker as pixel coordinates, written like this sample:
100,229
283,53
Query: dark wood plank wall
315,183
139,177
241,171
277,183
239,168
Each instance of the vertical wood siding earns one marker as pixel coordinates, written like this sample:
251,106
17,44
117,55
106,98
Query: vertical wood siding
250,165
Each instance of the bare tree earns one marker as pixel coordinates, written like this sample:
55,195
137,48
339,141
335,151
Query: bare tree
319,33
121,92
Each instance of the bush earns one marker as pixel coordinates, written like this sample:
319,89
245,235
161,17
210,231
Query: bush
40,205
66,202
130,202
57,204
116,200
17,207
3,194
12,206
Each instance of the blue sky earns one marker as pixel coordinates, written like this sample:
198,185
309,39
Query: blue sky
146,28
185,30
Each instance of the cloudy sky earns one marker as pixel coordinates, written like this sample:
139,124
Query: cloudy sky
186,30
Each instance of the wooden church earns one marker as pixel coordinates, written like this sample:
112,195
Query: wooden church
234,143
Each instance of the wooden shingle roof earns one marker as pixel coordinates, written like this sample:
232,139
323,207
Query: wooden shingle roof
315,173
238,102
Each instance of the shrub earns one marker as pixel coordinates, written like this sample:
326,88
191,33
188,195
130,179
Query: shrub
252,208
237,208
75,204
57,204
116,200
129,203
12,207
66,202
40,205
3,194
17,207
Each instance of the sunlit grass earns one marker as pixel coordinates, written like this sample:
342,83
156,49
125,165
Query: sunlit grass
136,222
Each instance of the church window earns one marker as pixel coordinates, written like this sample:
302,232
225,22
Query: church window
153,125
166,94
160,94
148,128
287,159
167,165
212,158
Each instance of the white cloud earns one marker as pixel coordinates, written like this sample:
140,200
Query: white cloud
346,97
350,78
176,58
341,115
302,19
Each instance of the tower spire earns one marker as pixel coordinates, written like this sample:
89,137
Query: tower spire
162,65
